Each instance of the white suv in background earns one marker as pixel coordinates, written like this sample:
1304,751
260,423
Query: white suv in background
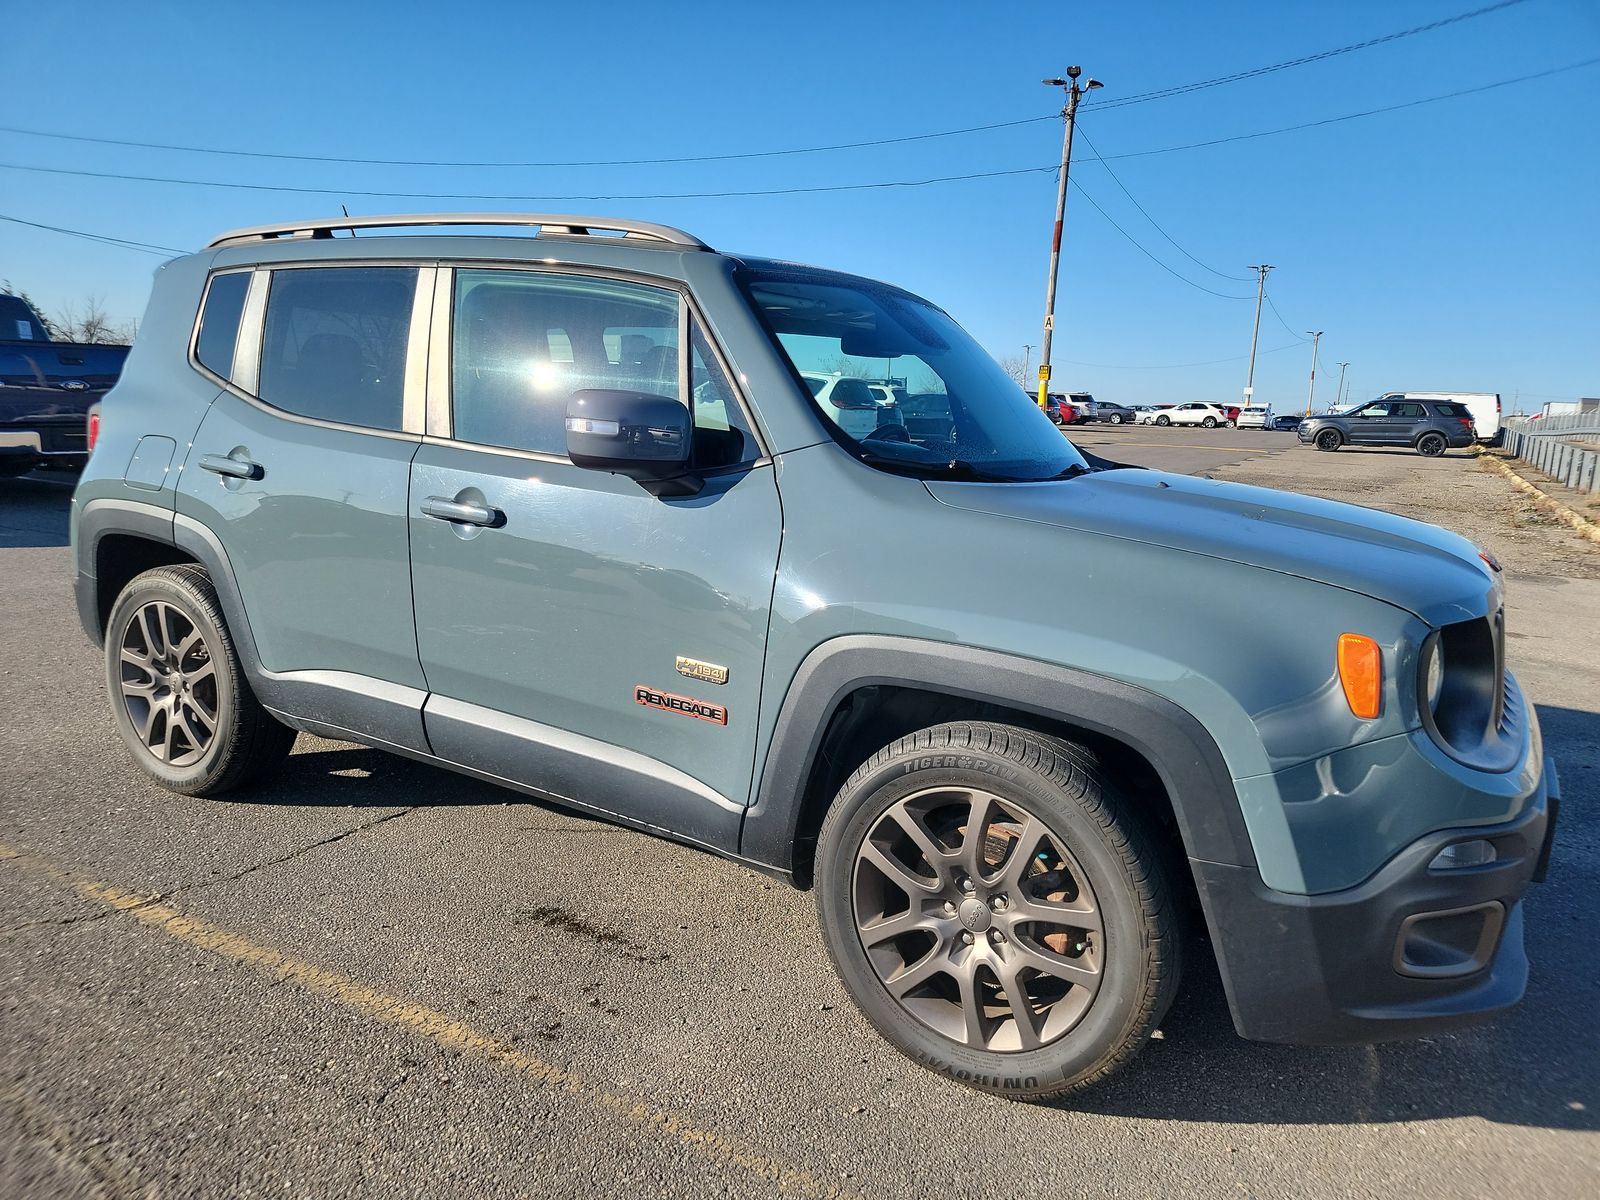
1254,417
1193,413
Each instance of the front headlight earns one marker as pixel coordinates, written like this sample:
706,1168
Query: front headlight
1432,675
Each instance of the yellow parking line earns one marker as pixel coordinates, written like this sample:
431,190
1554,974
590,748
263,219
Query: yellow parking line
436,1026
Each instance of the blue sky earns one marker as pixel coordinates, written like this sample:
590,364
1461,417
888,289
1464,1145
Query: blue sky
1447,245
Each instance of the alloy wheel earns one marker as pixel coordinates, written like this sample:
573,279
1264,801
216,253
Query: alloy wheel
169,683
1328,439
978,920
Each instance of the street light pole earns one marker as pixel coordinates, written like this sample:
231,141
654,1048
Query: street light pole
1255,332
1338,396
1027,353
1316,338
1068,114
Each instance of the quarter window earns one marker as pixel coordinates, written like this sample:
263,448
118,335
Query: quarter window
335,343
722,436
219,322
524,341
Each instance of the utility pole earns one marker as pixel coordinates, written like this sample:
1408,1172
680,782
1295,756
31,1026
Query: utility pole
1027,352
1316,337
1338,396
1255,332
1074,94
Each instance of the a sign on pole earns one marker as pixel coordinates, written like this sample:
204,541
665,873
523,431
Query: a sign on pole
1044,372
1050,321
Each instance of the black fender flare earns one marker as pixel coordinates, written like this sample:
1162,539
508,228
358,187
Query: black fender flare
1177,745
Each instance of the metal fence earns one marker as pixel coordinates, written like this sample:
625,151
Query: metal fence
1566,448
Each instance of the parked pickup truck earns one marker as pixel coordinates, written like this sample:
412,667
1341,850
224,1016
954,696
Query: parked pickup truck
46,389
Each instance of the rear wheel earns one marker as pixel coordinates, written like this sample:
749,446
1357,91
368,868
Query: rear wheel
1329,439
178,693
1115,418
996,910
1431,445
1209,422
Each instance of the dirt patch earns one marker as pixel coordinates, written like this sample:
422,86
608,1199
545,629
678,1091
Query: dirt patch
1453,491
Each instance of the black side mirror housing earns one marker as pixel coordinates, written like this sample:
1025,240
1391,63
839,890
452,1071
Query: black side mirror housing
648,438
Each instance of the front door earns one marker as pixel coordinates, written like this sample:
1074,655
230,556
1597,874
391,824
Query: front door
579,635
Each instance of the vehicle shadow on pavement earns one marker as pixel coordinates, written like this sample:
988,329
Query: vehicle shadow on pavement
33,511
1537,1065
355,776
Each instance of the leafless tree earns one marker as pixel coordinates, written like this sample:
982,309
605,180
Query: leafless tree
1016,366
7,288
87,323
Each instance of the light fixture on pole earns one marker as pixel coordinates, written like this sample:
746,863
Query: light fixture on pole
1074,94
1338,396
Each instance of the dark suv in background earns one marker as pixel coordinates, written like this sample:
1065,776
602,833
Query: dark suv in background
1427,426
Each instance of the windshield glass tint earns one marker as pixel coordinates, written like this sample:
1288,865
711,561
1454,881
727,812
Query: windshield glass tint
904,385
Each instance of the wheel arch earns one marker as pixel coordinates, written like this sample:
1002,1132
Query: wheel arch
854,694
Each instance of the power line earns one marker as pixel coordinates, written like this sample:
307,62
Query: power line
1287,327
1210,362
1078,187
1370,112
124,243
1118,181
609,162
314,191
788,191
1254,72
1103,105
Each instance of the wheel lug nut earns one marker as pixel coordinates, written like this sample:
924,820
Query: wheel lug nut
999,904
949,908
966,939
967,885
996,937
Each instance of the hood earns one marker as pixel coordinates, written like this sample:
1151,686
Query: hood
1428,571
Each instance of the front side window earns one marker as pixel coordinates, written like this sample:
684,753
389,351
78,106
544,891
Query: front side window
524,341
903,387
219,322
335,342
1375,409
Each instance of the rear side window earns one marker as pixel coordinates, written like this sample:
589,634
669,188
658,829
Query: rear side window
524,341
219,322
1451,410
1411,411
335,342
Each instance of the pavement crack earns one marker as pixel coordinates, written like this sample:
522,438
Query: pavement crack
287,858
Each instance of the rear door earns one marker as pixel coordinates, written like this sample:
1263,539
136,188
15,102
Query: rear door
585,637
299,472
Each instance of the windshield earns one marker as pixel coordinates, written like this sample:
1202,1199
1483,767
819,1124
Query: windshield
904,387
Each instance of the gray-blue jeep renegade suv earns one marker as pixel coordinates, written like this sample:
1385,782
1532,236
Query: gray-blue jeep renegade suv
555,502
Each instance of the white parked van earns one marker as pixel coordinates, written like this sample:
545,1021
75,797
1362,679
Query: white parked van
1484,407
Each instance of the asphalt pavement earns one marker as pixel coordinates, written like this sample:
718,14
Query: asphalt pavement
374,978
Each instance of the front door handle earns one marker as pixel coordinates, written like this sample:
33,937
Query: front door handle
224,464
461,512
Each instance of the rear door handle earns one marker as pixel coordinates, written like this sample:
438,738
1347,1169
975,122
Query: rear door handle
462,513
239,468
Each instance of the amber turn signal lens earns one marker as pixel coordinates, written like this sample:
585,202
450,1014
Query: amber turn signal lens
1361,673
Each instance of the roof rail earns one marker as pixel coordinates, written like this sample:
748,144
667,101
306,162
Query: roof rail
545,222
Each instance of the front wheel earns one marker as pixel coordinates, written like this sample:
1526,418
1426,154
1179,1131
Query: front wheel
1163,420
995,909
178,693
1329,439
1431,445
1115,418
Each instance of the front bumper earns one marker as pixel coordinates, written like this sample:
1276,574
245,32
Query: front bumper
1411,951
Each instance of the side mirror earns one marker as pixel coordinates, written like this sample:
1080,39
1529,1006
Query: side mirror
646,437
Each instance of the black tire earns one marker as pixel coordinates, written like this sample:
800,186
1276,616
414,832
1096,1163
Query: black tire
1431,445
1099,846
1329,439
1209,422
186,688
1163,420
